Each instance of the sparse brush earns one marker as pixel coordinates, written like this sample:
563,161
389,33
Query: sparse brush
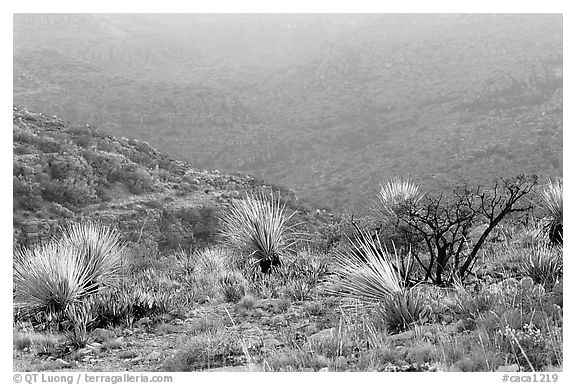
40,342
396,192
301,274
552,204
212,260
364,271
51,277
544,265
258,227
233,286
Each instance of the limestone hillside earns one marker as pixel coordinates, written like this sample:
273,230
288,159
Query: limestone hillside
66,172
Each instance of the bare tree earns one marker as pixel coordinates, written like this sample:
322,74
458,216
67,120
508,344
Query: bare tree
444,225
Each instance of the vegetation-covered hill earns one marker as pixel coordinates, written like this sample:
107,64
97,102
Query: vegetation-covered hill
173,298
63,172
328,104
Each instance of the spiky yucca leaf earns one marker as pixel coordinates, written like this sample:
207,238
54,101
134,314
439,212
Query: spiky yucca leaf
552,203
364,271
403,308
396,192
51,277
258,226
552,199
99,246
544,265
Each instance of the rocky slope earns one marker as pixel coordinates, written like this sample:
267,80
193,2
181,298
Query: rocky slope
64,172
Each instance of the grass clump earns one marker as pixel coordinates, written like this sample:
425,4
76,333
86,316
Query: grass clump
32,340
206,351
247,303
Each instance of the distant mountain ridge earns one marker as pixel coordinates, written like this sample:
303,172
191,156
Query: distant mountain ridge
327,104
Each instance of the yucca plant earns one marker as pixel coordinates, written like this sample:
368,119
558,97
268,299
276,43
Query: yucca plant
403,308
396,192
552,200
544,265
50,278
364,271
258,227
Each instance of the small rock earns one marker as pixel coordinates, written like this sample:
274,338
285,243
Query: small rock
144,321
84,351
278,320
94,349
271,343
539,290
323,335
526,282
114,344
154,356
325,369
127,354
253,368
136,360
102,335
62,363
509,283
409,334
509,368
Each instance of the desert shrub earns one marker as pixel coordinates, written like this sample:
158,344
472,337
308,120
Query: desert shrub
135,178
188,227
469,306
205,351
26,193
258,227
247,302
41,342
233,286
201,221
104,164
301,274
50,278
21,341
69,192
128,304
210,274
531,346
